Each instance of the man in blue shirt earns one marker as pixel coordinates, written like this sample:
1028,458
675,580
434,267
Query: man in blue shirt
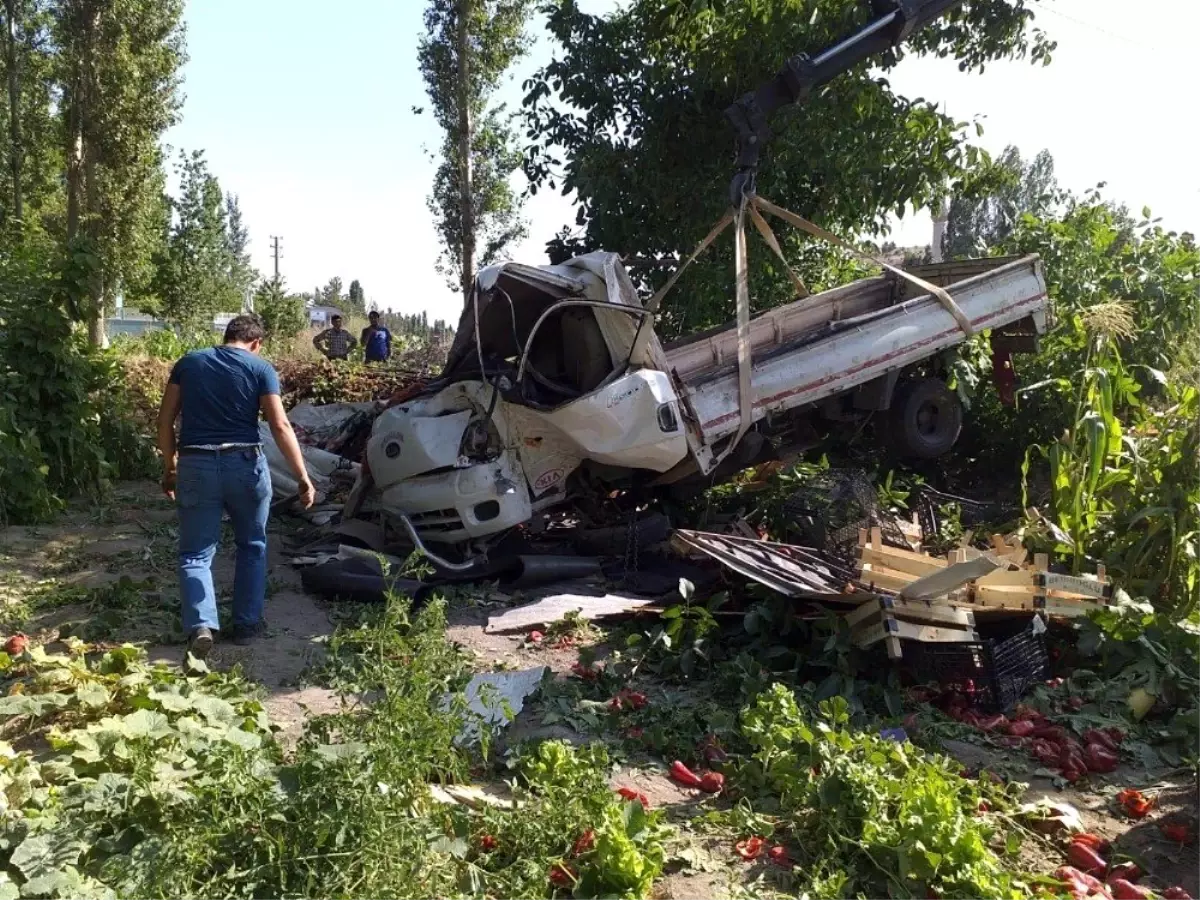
376,340
220,468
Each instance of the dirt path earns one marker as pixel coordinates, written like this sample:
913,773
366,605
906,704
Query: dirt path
111,570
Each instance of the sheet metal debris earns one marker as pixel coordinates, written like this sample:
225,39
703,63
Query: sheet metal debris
493,696
799,572
552,608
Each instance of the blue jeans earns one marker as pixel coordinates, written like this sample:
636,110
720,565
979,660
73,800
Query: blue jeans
208,484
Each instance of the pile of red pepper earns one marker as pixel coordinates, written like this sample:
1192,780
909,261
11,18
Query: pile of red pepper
1088,866
1052,745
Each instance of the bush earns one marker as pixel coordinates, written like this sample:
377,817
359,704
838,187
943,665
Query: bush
66,424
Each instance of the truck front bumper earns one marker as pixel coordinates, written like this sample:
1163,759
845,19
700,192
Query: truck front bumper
457,505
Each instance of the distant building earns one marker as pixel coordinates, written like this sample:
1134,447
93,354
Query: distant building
319,316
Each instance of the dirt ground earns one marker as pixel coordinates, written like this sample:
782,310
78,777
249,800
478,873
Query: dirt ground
128,546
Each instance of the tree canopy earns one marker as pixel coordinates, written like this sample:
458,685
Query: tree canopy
629,116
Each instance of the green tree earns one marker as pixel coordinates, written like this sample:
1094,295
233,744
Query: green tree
629,115
118,65
241,272
195,275
32,173
992,199
467,47
331,294
283,314
357,297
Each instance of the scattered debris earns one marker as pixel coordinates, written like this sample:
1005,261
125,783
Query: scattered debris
555,607
799,572
498,697
1008,585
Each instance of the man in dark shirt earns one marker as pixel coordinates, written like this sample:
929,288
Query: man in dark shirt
220,467
376,340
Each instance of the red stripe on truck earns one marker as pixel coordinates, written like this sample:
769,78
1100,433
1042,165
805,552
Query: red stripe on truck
791,392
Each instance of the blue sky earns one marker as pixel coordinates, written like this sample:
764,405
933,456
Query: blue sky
306,114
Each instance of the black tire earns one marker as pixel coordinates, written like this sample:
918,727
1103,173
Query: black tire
924,419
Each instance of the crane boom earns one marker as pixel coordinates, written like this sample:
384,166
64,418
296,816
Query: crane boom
893,22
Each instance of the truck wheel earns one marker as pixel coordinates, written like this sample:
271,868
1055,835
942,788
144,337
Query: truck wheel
924,418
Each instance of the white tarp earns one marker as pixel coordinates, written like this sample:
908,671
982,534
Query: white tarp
320,463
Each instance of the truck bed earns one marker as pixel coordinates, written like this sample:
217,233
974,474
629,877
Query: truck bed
841,338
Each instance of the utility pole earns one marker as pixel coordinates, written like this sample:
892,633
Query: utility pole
275,251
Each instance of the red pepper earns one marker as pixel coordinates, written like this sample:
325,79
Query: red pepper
1099,844
749,849
562,876
1123,890
1046,752
1176,831
635,734
1075,703
1054,733
536,637
712,782
16,644
584,843
635,699
1134,803
585,672
1100,758
983,807
1103,738
1176,893
779,855
1115,733
1084,857
1082,884
487,843
630,794
1126,870
1021,728
991,723
711,750
684,775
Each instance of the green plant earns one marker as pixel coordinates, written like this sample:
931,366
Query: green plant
878,817
682,640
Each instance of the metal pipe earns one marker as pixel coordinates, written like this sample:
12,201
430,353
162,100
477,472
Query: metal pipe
856,37
433,557
619,307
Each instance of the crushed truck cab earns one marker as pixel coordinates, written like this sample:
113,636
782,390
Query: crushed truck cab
557,389
542,379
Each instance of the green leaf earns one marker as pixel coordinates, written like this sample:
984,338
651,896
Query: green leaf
336,752
145,723
455,847
40,854
247,740
215,710
171,701
93,695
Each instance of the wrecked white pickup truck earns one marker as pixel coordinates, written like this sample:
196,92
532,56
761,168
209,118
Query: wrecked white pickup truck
557,390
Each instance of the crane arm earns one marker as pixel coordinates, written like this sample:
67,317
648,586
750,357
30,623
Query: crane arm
893,22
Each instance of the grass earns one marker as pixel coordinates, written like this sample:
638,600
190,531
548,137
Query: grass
168,784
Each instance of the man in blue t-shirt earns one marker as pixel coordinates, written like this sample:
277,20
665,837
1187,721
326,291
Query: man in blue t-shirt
376,340
220,468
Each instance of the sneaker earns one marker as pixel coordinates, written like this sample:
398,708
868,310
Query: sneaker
246,634
200,642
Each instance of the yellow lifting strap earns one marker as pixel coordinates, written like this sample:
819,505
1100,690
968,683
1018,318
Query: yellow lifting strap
941,294
741,271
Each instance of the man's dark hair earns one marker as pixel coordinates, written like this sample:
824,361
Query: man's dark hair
245,329
335,318
373,314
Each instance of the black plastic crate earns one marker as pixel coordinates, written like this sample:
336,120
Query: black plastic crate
1001,668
